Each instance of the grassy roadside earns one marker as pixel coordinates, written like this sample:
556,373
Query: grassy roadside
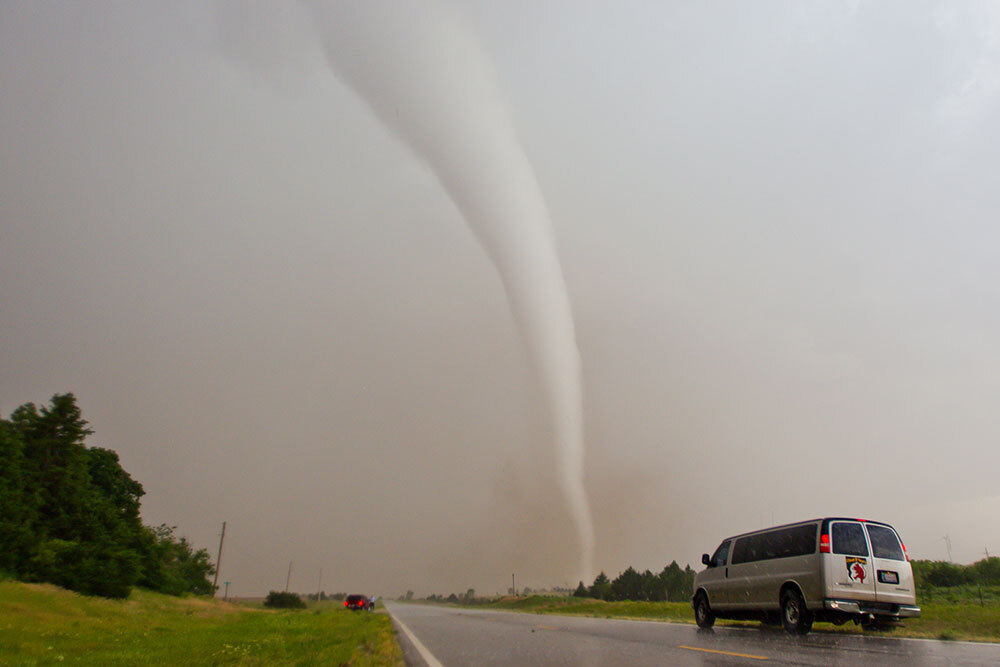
938,620
43,624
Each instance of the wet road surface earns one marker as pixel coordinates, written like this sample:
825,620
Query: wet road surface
449,636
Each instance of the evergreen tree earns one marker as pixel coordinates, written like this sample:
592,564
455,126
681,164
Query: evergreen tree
18,502
601,588
630,585
71,514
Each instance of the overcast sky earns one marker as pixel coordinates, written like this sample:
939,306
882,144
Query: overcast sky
777,224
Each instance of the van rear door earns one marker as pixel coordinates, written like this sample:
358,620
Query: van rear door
850,573
891,572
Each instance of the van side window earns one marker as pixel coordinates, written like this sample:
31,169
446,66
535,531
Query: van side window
720,555
885,544
784,543
849,539
740,551
797,541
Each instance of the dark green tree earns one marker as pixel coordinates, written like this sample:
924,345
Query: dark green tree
675,583
987,571
601,588
627,586
18,501
688,590
55,463
581,591
170,565
116,485
70,515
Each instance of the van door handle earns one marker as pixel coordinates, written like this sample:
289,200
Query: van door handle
727,572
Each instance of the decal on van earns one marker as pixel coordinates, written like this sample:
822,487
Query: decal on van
856,569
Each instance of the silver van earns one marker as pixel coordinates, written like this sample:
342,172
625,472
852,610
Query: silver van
833,569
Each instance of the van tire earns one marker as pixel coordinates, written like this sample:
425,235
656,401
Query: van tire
703,615
795,618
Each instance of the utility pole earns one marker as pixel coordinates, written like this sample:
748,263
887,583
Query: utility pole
218,561
226,594
513,587
319,586
947,543
289,577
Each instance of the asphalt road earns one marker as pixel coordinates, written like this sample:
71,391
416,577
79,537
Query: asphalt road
433,636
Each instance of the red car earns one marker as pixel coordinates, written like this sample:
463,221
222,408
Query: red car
358,602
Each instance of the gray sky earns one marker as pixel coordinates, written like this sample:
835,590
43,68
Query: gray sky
776,221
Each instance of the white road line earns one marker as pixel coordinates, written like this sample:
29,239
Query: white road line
421,649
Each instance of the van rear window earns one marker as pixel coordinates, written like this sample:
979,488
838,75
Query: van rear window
849,539
885,544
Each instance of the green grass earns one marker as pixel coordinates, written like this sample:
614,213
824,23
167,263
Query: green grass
938,620
964,594
43,624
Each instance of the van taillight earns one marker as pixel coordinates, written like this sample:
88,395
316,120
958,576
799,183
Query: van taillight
824,544
345,603
905,555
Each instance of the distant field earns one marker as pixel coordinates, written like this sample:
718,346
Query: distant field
43,624
939,620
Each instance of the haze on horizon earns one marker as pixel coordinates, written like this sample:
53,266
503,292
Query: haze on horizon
777,226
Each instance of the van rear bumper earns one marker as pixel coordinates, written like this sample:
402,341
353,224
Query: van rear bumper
876,608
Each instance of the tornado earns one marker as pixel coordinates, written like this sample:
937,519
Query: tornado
428,80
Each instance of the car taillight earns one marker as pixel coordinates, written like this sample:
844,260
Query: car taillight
824,544
346,603
905,555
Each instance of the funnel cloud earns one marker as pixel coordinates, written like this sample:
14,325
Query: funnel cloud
425,77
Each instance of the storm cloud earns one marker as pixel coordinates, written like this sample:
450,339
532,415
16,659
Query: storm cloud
776,226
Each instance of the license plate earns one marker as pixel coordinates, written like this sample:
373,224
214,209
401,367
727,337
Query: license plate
887,577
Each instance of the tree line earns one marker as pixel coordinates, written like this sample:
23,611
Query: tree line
672,584
942,574
70,513
323,595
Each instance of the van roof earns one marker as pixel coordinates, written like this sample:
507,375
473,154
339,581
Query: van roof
824,519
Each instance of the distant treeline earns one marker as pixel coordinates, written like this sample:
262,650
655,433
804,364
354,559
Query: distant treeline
672,584
70,513
323,595
468,598
942,574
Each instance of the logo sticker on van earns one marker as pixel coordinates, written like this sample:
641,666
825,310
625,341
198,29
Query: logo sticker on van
856,569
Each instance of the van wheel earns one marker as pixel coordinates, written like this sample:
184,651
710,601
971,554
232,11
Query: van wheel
794,616
703,615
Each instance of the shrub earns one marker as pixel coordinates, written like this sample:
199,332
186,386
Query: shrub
276,600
